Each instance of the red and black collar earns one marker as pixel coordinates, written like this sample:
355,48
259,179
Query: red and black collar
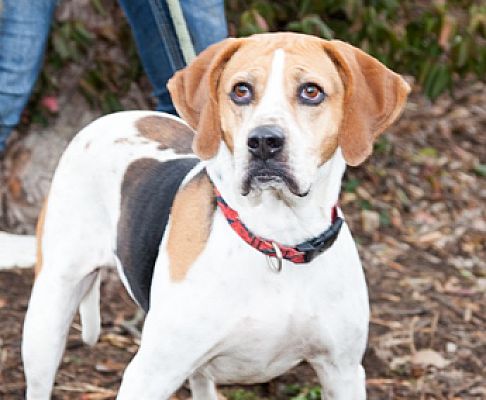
300,254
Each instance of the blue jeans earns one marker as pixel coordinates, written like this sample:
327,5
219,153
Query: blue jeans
24,28
157,42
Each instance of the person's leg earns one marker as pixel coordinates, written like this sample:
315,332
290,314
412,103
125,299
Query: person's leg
154,38
206,22
157,41
24,28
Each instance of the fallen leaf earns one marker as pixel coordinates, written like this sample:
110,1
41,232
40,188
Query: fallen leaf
370,221
429,357
117,340
109,366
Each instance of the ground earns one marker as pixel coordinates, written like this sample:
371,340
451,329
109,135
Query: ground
416,209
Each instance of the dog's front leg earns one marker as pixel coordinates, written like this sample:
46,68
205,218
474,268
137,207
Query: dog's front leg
340,381
174,345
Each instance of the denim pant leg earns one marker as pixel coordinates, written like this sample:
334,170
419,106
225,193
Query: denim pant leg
206,22
157,41
24,28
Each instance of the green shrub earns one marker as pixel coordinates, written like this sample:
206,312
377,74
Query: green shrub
435,41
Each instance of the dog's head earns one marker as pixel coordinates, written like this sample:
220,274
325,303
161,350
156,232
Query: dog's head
283,103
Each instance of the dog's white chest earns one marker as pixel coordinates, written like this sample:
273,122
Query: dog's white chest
257,351
256,323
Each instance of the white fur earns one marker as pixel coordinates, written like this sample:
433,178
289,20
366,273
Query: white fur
232,319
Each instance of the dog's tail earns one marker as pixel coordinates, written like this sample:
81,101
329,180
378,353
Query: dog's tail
89,311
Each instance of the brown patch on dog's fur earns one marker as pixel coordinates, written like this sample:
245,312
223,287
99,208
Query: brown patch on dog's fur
169,133
191,220
38,233
328,148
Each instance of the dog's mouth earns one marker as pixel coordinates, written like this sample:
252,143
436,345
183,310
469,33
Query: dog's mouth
268,177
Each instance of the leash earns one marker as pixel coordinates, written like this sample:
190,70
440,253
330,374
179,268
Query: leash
303,253
180,26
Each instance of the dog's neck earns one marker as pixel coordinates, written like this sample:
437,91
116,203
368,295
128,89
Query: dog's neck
284,220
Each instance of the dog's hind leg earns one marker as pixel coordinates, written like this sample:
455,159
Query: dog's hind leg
53,303
202,387
74,246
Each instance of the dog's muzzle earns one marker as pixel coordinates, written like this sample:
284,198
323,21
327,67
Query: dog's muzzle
267,166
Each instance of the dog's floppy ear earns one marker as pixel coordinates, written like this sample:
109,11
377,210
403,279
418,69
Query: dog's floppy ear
374,97
194,93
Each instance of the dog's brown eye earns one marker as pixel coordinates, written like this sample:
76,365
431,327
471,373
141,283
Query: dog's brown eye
242,93
311,94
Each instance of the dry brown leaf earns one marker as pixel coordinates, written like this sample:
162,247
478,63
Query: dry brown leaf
429,357
109,366
370,221
117,340
430,237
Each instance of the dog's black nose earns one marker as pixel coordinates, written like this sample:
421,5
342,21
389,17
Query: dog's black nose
265,141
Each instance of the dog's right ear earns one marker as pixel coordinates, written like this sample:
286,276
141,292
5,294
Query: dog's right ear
194,93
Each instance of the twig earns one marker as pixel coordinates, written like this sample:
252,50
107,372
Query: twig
476,319
433,328
413,323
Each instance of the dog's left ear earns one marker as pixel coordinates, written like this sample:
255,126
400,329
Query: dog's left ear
374,98
194,93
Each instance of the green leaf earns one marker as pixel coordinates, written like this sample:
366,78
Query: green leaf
351,185
382,145
313,393
97,4
241,394
61,47
385,219
365,204
480,169
313,24
430,152
292,389
111,103
437,80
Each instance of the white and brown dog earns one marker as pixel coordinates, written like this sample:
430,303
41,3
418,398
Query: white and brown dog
237,252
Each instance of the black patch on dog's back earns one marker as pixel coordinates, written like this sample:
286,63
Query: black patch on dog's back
147,193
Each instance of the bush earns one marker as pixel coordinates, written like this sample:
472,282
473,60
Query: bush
435,41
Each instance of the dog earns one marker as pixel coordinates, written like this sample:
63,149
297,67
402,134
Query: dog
223,225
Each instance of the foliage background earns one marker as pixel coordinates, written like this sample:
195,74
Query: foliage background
437,42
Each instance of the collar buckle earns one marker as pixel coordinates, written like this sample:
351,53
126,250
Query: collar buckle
314,247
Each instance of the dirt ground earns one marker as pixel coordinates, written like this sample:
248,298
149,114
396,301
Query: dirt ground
417,210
